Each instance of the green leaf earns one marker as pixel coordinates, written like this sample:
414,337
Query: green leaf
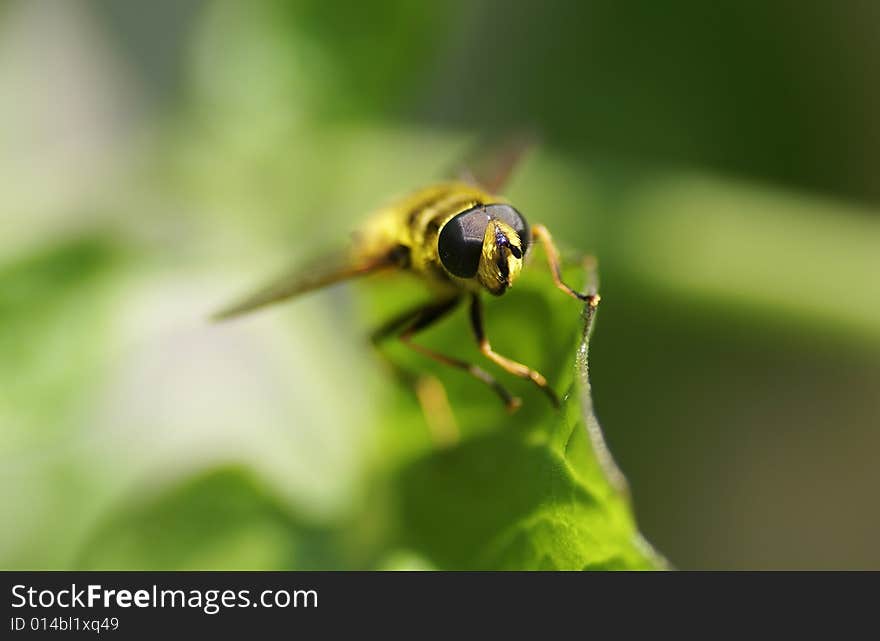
222,519
52,306
533,490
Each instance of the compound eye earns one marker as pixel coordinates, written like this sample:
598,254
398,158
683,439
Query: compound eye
461,242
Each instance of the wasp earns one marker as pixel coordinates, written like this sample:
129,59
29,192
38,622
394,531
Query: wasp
461,239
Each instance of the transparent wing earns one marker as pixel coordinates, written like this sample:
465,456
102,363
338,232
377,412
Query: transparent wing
319,273
490,163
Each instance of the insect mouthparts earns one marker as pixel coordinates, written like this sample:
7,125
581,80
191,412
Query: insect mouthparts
503,241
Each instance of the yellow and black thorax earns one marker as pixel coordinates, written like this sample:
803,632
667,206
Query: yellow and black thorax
453,235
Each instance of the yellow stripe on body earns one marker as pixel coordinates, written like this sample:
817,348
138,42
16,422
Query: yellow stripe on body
415,222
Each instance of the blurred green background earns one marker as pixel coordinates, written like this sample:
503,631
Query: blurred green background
720,159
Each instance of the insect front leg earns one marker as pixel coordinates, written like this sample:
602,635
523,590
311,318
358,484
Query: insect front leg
517,369
539,232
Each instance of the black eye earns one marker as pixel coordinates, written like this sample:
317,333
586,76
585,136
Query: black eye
461,242
510,216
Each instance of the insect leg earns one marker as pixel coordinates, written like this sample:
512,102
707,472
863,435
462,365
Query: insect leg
517,369
541,233
394,326
428,389
430,315
416,320
436,410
